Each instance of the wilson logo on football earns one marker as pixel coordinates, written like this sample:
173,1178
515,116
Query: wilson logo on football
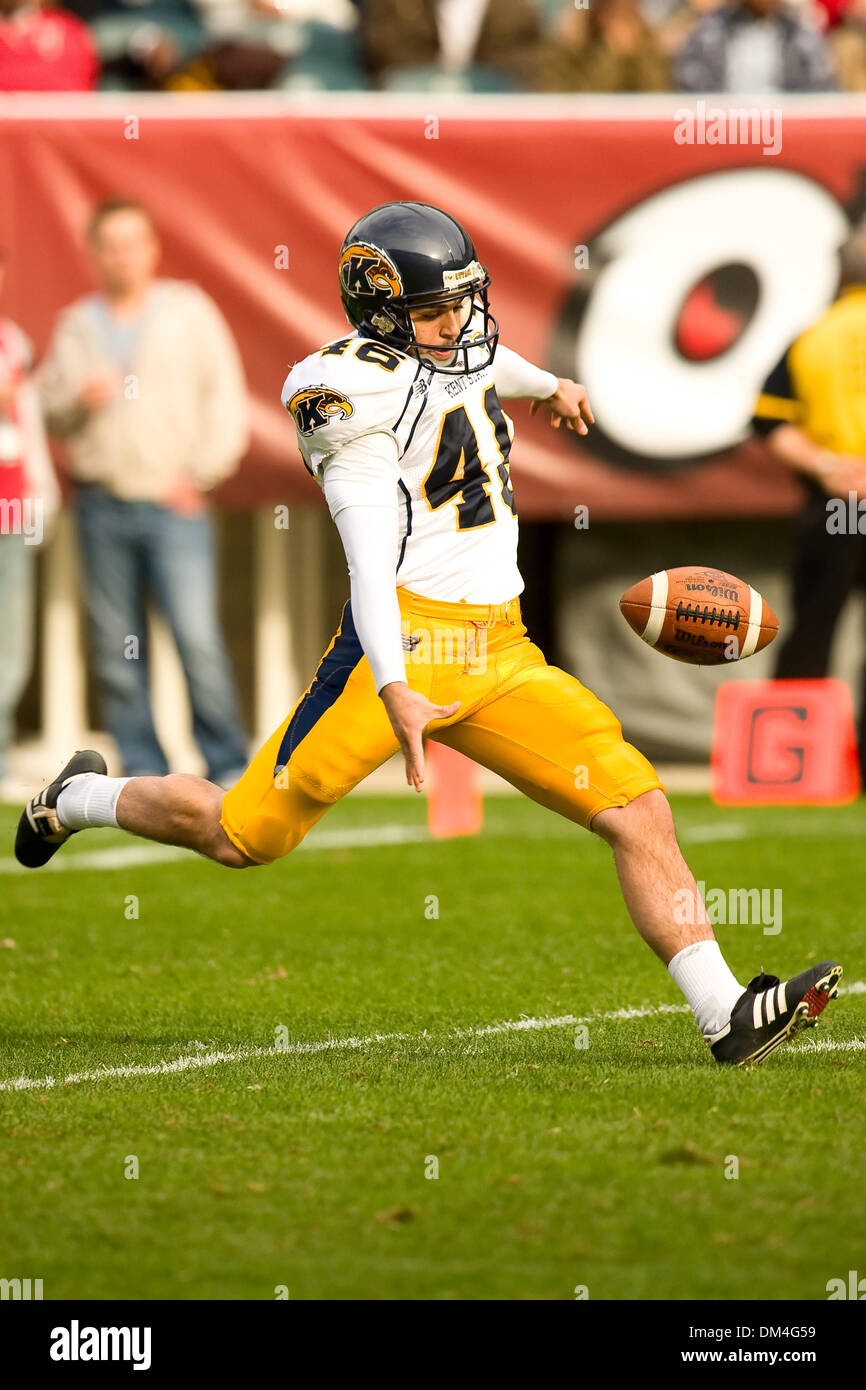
316,406
364,269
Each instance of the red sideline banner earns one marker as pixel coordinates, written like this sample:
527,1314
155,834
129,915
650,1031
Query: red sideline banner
665,251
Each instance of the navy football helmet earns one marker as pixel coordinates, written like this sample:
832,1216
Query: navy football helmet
404,256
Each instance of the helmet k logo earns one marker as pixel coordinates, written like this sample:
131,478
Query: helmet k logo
364,269
316,406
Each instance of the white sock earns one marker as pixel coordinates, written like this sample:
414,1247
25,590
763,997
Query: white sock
90,801
703,975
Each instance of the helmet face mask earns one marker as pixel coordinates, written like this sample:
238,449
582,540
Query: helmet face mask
402,257
427,344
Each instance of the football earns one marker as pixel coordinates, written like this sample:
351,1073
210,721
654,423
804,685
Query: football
701,616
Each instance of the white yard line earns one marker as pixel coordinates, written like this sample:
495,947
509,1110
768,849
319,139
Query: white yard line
128,856
135,855
196,1060
700,834
828,1045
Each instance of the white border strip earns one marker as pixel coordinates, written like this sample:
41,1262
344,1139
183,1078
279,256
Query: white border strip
197,1060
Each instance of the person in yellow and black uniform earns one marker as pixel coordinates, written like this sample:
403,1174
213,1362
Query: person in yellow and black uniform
812,413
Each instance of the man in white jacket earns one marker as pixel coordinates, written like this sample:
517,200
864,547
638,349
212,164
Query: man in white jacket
144,382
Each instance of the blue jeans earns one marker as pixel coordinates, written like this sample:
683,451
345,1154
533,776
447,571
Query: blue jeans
17,571
135,550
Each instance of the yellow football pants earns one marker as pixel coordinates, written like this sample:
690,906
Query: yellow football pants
535,725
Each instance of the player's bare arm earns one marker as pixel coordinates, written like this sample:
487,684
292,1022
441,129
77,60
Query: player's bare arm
837,474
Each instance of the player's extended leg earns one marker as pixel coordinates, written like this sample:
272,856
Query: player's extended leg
742,1026
556,741
174,810
552,738
178,810
337,733
652,872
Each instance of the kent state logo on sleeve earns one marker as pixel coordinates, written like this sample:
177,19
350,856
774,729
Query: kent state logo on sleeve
365,269
315,406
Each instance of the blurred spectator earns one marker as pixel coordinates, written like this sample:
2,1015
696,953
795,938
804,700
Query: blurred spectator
829,13
215,45
608,47
139,41
848,44
812,412
153,60
29,498
453,36
754,46
674,20
144,381
236,17
141,11
44,50
253,43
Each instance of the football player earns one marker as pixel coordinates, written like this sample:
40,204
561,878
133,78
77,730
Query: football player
400,421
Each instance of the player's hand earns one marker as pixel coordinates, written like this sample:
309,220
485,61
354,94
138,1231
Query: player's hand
185,499
839,474
843,473
844,480
410,713
569,403
99,388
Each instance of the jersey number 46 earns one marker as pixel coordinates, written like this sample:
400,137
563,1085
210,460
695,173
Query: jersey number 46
458,472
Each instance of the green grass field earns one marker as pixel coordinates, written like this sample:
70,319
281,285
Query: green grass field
558,1165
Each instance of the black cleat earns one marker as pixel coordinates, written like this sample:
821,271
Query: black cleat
40,833
770,1012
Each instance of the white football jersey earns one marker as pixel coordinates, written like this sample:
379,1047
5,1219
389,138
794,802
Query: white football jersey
458,521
